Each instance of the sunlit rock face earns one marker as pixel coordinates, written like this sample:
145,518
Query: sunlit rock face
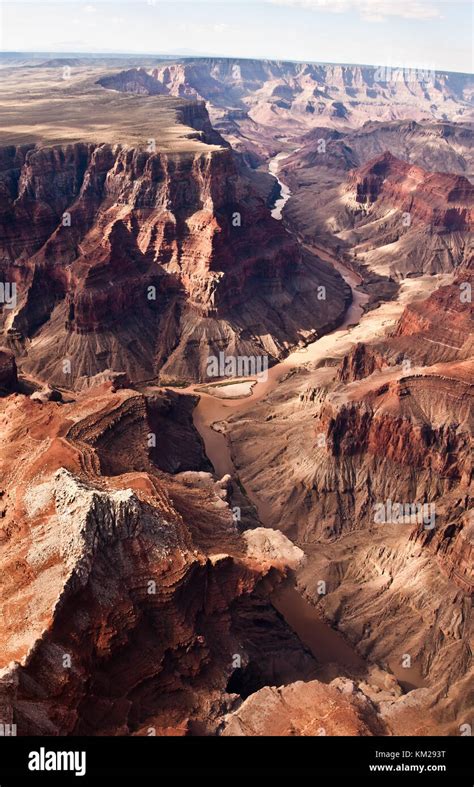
444,201
149,262
138,590
373,447
119,614
308,93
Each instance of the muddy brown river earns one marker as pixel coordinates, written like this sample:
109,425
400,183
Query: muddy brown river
326,644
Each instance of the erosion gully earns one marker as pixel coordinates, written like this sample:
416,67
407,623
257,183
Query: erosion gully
326,644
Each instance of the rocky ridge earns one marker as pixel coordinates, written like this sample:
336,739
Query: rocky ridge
118,614
128,258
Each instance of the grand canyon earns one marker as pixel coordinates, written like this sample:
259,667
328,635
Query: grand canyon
236,375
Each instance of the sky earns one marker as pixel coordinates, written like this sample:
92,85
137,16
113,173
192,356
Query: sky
430,34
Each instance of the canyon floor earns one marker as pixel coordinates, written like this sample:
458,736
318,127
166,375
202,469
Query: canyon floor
196,556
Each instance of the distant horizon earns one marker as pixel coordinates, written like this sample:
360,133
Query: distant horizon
209,56
435,35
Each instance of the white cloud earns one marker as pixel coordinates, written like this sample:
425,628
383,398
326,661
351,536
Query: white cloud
372,10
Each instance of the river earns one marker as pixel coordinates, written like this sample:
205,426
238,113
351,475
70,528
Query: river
326,644
273,169
211,409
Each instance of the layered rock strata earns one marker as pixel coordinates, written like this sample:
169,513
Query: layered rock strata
146,262
119,614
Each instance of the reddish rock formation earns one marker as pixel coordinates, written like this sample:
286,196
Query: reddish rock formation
306,709
444,201
326,154
346,443
147,608
308,94
391,217
126,259
129,625
438,328
359,363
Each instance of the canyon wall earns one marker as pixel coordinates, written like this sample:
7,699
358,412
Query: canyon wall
132,600
368,468
119,614
310,93
149,262
391,217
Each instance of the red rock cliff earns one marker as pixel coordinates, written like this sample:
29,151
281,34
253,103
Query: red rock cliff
444,201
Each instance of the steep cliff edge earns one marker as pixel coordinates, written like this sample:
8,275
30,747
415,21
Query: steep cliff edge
295,96
388,216
147,262
444,201
132,600
436,146
438,328
119,614
368,468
